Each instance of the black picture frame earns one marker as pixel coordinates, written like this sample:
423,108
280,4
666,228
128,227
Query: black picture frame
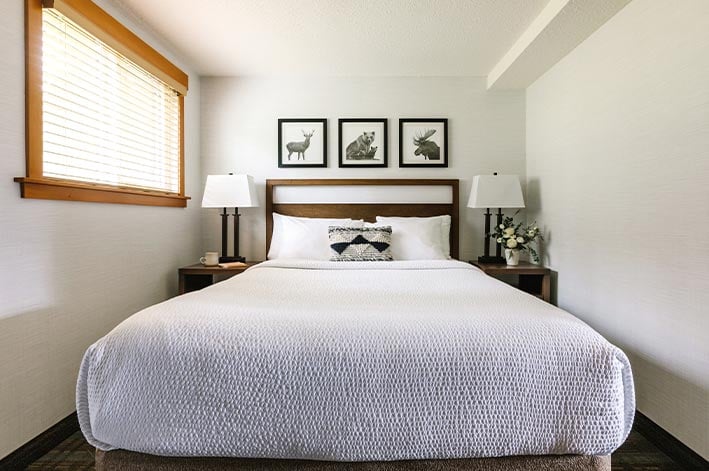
345,142
286,161
406,160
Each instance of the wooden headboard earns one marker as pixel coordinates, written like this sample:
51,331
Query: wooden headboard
367,211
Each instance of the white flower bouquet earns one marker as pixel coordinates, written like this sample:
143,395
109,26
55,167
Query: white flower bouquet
516,237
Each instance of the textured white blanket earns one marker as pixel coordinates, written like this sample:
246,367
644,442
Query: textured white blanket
351,361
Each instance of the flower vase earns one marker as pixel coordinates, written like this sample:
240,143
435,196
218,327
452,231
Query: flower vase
512,256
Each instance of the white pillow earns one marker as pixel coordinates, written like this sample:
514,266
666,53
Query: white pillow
307,238
415,238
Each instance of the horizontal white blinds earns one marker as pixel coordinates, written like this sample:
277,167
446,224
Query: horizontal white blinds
105,120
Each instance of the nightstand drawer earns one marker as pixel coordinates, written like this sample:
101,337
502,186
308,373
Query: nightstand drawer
532,279
197,276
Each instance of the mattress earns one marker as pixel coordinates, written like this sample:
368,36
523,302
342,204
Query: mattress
349,361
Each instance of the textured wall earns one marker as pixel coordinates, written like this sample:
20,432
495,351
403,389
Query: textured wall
239,134
617,167
71,271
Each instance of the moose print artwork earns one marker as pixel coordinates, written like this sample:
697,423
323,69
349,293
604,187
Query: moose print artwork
302,142
423,143
363,142
429,149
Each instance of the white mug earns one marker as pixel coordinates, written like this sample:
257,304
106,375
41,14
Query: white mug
210,259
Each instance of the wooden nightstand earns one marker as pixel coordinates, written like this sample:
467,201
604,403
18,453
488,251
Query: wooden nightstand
198,276
533,279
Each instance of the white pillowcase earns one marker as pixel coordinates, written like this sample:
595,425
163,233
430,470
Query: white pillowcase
415,238
304,238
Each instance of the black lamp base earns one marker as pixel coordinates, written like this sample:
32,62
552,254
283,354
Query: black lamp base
231,259
491,259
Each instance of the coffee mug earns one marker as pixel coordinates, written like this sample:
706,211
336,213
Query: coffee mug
210,259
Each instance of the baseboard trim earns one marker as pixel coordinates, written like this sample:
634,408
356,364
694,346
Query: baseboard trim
41,444
668,444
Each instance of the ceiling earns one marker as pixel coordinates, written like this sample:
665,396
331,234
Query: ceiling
338,37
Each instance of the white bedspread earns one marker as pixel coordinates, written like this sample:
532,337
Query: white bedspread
351,361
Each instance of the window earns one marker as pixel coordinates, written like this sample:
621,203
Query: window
104,110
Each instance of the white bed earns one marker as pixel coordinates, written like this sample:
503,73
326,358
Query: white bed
347,361
346,366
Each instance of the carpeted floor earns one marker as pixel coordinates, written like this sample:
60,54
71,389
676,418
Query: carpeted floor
636,454
73,454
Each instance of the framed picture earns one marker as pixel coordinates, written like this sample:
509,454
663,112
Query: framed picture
302,142
423,142
363,142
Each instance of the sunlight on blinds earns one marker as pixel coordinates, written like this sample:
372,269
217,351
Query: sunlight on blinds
106,120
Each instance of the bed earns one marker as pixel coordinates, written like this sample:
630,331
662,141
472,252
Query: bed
318,365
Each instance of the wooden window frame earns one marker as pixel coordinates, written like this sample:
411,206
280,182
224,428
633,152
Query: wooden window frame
99,23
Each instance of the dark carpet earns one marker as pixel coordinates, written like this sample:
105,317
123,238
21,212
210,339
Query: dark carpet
636,454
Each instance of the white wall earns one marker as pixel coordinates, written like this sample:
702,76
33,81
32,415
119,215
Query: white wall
71,271
239,134
618,172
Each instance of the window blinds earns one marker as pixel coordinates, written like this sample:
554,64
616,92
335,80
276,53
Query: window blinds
105,120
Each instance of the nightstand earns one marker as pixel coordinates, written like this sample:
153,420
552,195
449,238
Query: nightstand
197,276
533,279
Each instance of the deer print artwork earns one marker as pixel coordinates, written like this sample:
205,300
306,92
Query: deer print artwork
302,142
299,147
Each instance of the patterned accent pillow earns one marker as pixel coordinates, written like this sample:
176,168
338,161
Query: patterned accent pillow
363,244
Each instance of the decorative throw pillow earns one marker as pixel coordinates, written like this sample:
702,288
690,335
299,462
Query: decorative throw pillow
360,244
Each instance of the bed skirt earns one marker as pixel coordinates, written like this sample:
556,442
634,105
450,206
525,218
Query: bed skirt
131,461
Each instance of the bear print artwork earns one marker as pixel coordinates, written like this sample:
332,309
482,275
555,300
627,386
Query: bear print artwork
361,148
363,142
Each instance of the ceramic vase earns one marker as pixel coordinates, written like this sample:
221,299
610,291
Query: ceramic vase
512,256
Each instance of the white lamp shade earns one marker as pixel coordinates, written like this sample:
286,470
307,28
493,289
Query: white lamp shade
496,191
229,191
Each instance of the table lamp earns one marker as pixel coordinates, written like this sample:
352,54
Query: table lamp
229,191
495,191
